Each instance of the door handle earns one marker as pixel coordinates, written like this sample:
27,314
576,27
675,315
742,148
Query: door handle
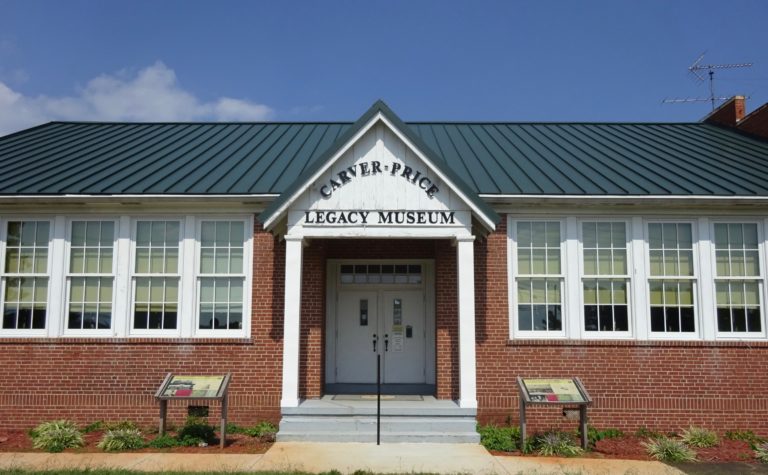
386,342
375,339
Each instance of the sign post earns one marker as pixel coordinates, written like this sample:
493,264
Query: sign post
210,388
554,391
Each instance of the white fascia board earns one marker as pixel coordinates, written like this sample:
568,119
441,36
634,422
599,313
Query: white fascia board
484,219
123,197
625,198
341,151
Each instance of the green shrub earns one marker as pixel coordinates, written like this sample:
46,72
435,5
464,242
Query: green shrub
93,427
196,428
665,449
189,441
163,442
557,443
746,435
235,429
55,436
503,439
647,433
699,437
261,429
761,452
121,439
594,435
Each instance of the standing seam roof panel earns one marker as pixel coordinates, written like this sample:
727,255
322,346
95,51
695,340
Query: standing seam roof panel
52,161
172,183
613,148
217,163
703,167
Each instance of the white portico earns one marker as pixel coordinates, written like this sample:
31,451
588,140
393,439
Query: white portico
380,181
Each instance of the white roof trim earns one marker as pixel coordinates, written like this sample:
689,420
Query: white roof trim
354,139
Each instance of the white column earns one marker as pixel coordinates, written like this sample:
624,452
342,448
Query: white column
467,363
291,321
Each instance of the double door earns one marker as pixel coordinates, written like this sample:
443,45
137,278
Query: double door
388,323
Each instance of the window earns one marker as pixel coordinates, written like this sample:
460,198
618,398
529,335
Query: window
91,275
605,279
380,273
671,283
222,275
156,275
25,275
738,278
539,277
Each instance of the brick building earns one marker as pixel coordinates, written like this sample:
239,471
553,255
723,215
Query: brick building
463,255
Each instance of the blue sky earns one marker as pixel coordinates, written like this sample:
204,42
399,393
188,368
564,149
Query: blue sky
329,60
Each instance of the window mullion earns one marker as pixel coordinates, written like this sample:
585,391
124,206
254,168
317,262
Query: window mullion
56,287
188,268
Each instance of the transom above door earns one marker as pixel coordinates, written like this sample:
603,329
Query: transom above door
384,309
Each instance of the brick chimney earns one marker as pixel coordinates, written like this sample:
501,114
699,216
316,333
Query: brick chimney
756,123
728,114
732,115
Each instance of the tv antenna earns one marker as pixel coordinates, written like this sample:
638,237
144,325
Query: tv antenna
697,69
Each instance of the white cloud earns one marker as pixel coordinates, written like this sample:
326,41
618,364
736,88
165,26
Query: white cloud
152,95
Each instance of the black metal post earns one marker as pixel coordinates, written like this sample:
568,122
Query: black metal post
378,399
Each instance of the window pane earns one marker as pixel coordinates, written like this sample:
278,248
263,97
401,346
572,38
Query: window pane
523,261
207,233
553,262
524,318
604,238
654,236
524,234
539,261
589,231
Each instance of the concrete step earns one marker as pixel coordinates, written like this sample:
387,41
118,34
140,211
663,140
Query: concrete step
366,423
386,437
342,420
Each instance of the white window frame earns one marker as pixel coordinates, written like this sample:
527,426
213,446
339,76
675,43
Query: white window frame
630,277
133,275
694,279
64,326
247,277
761,280
512,272
50,319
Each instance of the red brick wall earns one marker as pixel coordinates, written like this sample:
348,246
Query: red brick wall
112,379
659,385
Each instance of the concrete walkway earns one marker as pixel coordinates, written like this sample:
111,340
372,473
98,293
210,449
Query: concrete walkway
344,457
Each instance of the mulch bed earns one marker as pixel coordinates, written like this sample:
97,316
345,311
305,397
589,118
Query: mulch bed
629,447
19,441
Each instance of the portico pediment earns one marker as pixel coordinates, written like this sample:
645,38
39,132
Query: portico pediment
379,181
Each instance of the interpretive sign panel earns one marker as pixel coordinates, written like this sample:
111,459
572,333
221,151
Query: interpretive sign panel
194,387
184,386
554,391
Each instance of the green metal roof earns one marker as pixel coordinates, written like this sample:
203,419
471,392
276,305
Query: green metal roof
490,158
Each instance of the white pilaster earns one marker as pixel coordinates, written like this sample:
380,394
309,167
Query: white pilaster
467,362
291,321
706,251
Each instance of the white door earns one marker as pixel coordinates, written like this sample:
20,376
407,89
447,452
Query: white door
389,323
405,337
357,320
